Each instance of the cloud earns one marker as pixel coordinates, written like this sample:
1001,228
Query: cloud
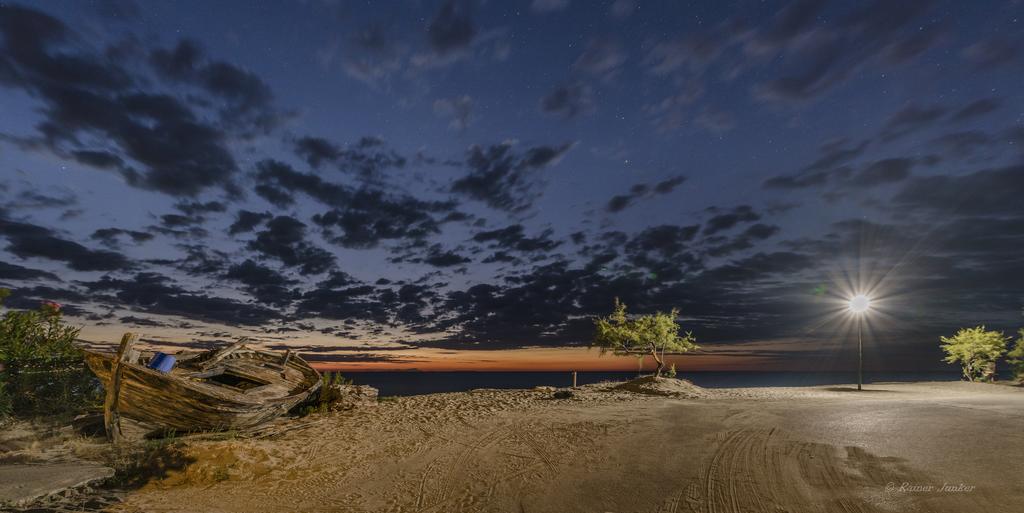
371,56
109,236
672,112
175,220
458,109
142,321
27,240
265,284
316,151
277,183
367,158
829,165
988,192
439,257
196,208
34,200
691,54
725,221
881,172
284,240
568,101
369,217
351,303
876,33
500,177
31,298
199,260
366,216
99,113
620,202
246,101
512,237
668,240
963,144
157,294
715,121
16,272
976,109
992,53
669,185
451,29
759,266
745,240
602,58
246,221
788,24
909,119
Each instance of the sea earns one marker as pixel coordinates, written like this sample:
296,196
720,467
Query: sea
415,383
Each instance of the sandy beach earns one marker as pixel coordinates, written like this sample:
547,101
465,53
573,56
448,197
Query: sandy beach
929,447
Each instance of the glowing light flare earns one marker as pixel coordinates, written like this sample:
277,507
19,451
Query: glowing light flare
860,304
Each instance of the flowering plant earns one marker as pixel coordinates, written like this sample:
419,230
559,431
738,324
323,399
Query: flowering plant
51,307
42,374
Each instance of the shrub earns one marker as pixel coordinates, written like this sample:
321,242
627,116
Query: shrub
31,336
6,404
43,373
328,396
671,371
977,351
1016,357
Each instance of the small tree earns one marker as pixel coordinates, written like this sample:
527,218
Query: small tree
42,372
1016,357
642,335
976,349
30,336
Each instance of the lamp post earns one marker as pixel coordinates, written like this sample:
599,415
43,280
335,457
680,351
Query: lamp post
859,305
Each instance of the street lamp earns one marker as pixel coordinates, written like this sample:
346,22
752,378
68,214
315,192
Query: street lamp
859,305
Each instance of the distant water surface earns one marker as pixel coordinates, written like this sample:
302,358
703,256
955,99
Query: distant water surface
414,383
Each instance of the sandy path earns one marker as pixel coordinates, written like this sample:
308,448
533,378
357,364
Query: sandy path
752,450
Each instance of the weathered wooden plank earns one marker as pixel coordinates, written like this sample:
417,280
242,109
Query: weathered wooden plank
223,353
179,400
111,406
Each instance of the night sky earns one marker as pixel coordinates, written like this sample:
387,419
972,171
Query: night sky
465,184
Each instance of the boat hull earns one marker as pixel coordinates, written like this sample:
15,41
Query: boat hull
175,403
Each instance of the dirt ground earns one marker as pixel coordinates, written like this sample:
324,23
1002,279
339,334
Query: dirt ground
928,447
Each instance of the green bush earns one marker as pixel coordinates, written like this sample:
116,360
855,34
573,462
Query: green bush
42,372
977,351
327,397
1016,357
6,406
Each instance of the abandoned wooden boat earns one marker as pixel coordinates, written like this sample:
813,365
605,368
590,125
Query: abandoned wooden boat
231,388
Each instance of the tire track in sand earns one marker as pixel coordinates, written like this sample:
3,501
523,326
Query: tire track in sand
448,473
762,470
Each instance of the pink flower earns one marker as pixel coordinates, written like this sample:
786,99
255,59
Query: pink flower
52,306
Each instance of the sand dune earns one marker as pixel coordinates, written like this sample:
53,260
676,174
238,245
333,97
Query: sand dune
742,450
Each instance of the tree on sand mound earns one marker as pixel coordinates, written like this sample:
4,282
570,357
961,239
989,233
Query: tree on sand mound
977,350
1016,357
653,335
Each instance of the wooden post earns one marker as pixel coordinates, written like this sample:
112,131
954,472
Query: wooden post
223,352
284,362
111,415
574,379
